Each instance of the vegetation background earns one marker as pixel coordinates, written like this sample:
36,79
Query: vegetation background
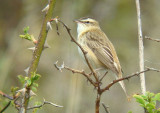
117,19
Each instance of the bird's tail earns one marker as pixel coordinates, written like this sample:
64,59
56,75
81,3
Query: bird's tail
122,85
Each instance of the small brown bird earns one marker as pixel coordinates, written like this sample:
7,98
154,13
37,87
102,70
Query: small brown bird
100,51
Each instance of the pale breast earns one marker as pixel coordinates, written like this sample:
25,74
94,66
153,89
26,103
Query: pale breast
90,55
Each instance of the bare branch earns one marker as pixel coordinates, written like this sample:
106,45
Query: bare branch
5,107
75,71
44,102
104,75
6,96
152,69
128,77
156,40
105,108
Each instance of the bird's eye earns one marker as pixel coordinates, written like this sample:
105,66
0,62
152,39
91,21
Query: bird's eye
87,22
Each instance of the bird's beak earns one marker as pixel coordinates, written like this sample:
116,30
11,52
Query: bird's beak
76,21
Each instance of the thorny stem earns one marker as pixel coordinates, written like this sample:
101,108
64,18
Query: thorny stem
37,53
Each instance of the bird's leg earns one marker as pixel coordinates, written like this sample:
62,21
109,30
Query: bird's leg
104,75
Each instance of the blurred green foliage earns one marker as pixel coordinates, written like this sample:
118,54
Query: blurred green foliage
148,101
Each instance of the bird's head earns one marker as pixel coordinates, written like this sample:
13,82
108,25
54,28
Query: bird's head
86,23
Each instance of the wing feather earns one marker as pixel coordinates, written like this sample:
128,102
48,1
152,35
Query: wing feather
101,47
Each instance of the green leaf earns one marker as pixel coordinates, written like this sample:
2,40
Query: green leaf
157,97
26,29
151,94
144,97
21,79
29,83
14,89
36,76
151,106
26,78
129,111
140,100
26,35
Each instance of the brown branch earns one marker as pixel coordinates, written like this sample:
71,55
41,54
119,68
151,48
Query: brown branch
17,105
128,77
98,99
156,40
6,96
83,73
44,102
75,71
105,108
5,107
104,75
14,98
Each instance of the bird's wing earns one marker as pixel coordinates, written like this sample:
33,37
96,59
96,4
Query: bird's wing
102,48
105,52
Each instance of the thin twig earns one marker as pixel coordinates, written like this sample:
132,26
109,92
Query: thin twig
128,77
152,69
83,73
17,105
104,75
5,107
141,48
105,108
14,98
44,102
75,71
156,40
6,96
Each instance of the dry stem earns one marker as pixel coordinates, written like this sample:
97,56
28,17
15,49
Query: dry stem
141,48
44,102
